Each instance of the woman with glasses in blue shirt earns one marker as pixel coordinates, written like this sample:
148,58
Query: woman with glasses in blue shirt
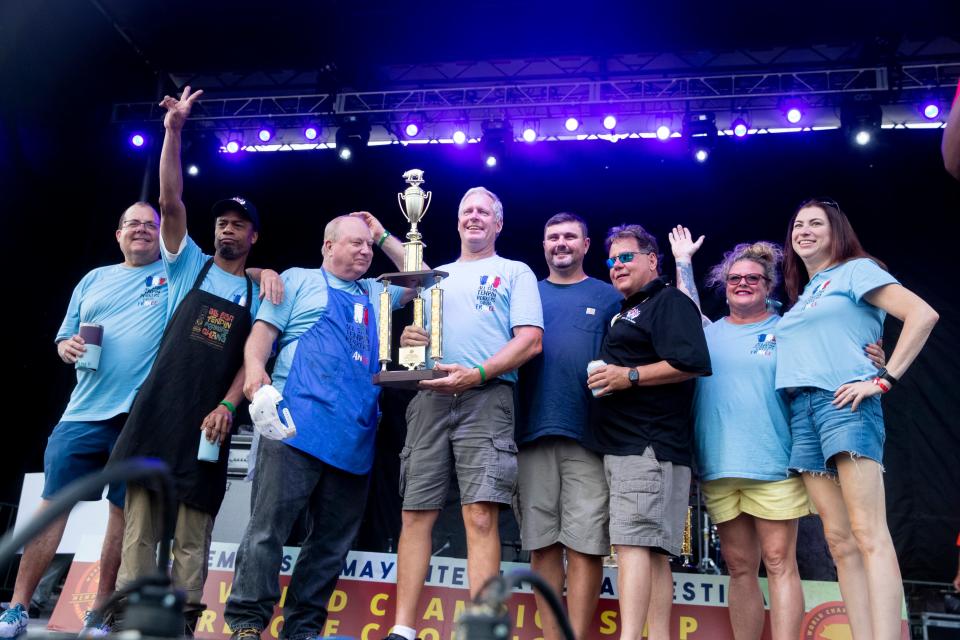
742,437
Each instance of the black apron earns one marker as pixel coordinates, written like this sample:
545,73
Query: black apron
201,351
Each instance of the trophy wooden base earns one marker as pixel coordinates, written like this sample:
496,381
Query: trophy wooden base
406,379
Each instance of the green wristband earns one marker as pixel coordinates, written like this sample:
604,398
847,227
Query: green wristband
483,374
383,238
229,405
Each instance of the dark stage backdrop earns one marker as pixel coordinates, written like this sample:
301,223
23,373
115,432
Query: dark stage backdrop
60,224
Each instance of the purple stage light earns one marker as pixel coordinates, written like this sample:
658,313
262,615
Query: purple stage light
193,170
491,161
572,124
233,146
863,137
412,129
931,110
794,115
701,155
137,140
610,123
265,135
459,137
739,128
663,132
310,133
529,135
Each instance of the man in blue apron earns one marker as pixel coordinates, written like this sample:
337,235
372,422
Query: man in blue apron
327,331
196,380
129,300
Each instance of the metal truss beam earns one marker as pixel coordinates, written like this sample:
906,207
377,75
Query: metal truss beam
642,94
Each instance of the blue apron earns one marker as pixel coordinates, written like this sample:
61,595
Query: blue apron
330,390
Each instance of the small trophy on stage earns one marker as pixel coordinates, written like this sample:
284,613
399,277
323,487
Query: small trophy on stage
414,203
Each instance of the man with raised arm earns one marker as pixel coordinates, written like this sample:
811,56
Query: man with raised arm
493,323
196,381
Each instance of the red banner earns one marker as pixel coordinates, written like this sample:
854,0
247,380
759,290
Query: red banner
363,604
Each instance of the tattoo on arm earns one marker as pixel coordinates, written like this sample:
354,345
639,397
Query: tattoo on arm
685,276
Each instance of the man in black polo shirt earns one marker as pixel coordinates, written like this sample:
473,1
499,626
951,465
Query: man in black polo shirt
641,424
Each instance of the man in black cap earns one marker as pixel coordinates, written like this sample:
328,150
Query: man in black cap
196,381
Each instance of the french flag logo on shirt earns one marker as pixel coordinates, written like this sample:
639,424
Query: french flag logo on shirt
495,283
155,281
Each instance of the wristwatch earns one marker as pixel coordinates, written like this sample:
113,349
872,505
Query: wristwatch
883,374
633,376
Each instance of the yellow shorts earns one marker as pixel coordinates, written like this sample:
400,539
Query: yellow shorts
727,498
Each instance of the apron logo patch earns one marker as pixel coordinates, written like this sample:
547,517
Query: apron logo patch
212,326
357,336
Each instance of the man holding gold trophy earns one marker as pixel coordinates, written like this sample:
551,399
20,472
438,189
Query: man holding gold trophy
463,417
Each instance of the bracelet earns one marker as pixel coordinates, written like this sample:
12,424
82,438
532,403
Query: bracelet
483,374
229,405
880,382
383,238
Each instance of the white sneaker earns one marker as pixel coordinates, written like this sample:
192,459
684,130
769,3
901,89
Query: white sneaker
13,621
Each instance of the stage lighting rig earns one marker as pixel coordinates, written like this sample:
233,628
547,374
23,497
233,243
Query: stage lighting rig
496,133
860,119
352,137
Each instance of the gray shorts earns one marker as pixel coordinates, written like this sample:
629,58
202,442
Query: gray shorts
562,497
648,501
471,432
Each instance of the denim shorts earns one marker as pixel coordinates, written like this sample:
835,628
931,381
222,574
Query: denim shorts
821,431
77,449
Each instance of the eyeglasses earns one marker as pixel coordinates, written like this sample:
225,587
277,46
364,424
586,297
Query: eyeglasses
734,279
136,224
625,257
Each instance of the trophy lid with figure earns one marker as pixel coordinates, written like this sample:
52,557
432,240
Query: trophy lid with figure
414,203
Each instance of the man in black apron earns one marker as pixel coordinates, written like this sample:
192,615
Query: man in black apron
196,380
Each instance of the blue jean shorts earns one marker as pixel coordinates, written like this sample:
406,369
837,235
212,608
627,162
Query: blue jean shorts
77,449
821,431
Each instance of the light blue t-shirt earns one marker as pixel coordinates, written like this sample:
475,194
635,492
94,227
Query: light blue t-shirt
131,304
183,268
741,423
304,302
822,337
483,300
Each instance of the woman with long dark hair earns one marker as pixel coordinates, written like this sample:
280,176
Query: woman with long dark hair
742,437
840,295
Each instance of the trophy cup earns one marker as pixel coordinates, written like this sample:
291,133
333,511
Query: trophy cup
414,203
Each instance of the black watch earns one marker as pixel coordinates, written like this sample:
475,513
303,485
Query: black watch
633,376
883,374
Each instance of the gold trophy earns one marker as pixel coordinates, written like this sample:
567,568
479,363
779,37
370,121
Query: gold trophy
414,203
